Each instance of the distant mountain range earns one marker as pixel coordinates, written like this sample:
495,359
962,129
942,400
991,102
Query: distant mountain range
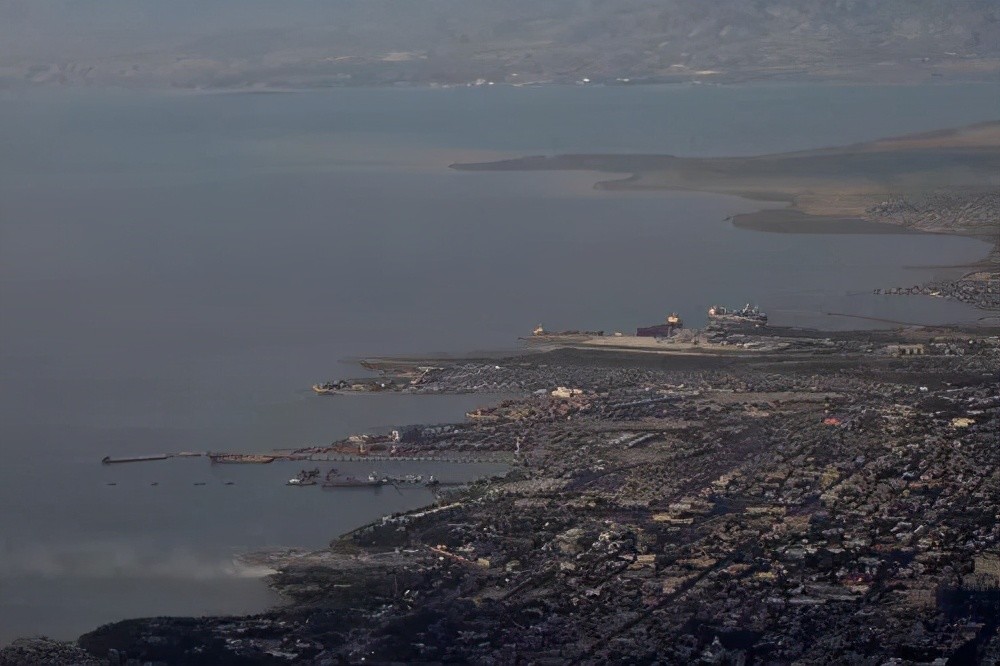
237,44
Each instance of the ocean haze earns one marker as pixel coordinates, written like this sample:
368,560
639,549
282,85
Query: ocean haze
177,269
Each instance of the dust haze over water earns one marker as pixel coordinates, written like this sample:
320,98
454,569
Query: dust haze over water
175,270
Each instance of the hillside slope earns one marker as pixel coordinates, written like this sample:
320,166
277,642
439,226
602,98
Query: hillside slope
230,44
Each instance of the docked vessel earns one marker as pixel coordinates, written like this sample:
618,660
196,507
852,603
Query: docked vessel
540,332
748,314
333,480
372,480
665,330
329,388
305,478
351,482
357,386
236,458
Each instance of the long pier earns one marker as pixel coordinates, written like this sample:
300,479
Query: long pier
252,459
108,460
878,319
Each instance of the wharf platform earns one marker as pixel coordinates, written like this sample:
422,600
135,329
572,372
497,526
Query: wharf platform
108,460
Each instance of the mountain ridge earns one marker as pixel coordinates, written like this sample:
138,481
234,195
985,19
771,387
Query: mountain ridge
227,45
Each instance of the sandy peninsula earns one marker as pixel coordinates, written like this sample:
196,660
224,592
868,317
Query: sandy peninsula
852,189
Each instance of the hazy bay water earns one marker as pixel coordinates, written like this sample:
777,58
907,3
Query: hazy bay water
175,270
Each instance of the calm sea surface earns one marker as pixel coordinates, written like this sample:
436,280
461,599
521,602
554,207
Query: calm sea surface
176,270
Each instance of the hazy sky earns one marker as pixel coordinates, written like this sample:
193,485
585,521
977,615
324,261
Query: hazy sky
68,29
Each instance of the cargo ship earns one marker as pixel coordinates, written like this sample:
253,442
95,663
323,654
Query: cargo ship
665,330
373,480
748,314
333,480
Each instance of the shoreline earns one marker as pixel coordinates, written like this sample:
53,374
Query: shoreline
689,362
637,452
843,183
979,70
939,182
792,221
